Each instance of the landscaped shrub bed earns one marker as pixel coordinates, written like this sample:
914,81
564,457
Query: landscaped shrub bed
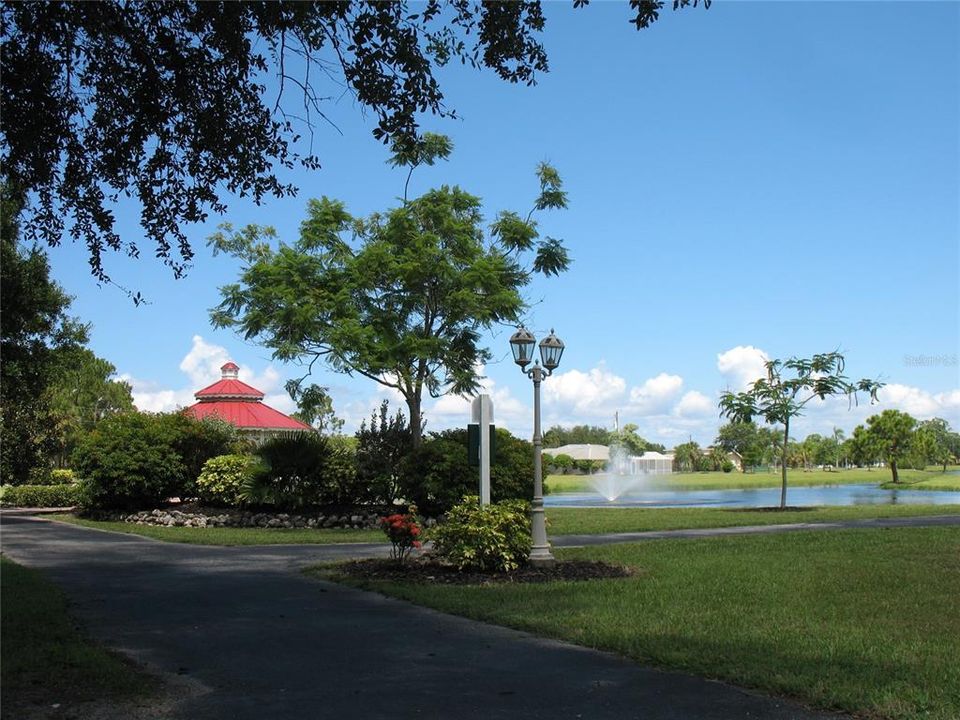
356,518
44,496
429,572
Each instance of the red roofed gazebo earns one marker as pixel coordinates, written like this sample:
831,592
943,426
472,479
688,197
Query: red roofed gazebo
242,405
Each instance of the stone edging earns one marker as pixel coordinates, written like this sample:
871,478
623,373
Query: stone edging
356,519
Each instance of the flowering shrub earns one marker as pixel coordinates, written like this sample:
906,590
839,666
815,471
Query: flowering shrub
403,532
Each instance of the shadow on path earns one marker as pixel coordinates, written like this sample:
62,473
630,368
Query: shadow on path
268,642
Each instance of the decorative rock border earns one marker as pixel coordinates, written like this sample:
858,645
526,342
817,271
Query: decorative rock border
355,519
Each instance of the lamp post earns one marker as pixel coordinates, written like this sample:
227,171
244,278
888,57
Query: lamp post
551,348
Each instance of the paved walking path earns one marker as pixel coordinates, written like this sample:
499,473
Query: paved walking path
266,642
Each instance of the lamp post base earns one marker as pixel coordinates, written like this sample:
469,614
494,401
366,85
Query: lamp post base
540,557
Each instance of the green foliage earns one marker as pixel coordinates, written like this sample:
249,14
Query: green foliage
589,466
46,476
223,477
382,447
687,457
402,297
36,331
892,433
137,460
782,395
744,438
303,470
65,495
727,466
563,462
558,436
169,104
293,468
628,439
342,484
484,537
196,441
937,443
83,393
314,406
436,475
131,462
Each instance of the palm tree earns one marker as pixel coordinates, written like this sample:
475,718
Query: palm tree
838,437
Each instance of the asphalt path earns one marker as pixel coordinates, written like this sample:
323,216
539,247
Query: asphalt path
265,641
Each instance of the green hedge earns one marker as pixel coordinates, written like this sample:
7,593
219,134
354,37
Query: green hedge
66,495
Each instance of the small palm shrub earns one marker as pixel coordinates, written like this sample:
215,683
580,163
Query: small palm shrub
292,472
484,537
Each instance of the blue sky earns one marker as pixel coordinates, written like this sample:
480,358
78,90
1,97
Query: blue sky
754,180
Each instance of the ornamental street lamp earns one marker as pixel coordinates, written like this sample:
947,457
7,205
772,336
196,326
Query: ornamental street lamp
551,348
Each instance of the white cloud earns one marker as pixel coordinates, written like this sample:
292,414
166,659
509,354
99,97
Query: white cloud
202,365
919,403
591,394
695,404
456,411
742,365
656,395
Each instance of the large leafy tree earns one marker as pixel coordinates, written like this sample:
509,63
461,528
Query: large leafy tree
84,392
173,103
789,387
558,436
892,432
743,438
631,442
863,448
938,443
36,330
401,297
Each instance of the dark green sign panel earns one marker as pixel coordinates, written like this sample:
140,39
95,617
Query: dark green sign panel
473,444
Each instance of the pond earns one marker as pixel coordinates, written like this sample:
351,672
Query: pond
854,494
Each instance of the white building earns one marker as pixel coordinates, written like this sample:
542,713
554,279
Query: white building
652,463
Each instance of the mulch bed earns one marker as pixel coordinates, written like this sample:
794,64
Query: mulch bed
427,572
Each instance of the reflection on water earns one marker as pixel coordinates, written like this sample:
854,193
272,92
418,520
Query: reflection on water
760,497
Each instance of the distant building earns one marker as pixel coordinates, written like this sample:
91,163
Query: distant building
581,452
242,405
651,462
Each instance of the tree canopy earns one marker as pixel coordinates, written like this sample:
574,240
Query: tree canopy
789,386
36,327
174,104
400,297
892,434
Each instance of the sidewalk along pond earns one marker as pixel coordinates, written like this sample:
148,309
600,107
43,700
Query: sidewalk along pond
853,494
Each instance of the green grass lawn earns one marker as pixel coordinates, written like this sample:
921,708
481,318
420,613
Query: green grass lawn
930,479
582,521
43,659
561,521
232,536
862,621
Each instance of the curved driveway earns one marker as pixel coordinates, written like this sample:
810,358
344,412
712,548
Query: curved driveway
267,642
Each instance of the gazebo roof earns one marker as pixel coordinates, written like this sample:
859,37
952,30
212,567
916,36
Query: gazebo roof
240,404
247,415
229,388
